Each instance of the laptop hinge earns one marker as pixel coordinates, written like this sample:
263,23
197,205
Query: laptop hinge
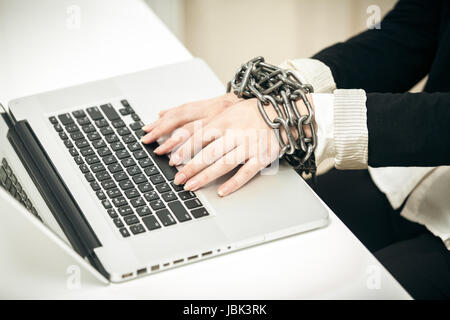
55,192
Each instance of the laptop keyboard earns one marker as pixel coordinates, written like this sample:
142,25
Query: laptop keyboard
9,182
133,184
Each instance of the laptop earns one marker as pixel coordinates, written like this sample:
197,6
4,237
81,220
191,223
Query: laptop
73,158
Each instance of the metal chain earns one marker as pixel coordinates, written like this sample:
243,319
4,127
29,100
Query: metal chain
280,89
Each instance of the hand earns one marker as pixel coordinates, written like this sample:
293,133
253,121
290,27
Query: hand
184,117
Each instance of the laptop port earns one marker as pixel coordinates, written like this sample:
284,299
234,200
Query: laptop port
204,254
193,257
178,261
166,264
141,271
127,275
155,268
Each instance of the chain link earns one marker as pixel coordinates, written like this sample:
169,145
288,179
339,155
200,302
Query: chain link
280,89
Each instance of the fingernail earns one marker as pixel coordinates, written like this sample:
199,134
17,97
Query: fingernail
158,150
148,126
191,185
175,160
223,191
180,178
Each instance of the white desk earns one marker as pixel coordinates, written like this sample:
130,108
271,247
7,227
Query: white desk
40,52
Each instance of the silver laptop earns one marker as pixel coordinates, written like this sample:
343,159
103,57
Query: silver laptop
73,158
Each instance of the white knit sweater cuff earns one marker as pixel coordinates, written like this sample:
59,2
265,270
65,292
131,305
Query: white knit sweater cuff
350,129
313,72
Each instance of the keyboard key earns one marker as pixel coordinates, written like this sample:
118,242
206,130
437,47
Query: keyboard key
125,103
177,187
99,144
144,163
87,152
84,168
106,204
118,124
129,139
120,176
158,204
109,160
125,211
93,136
106,131
122,154
79,114
101,123
63,136
95,186
135,117
103,152
92,159
136,125
83,143
88,128
126,184
137,202
150,171
108,184
165,217
134,146
101,176
111,138
151,223
110,112
66,119
131,219
119,201
185,195
123,131
200,212
140,154
97,167
68,144
133,170
73,152
131,193
117,146
145,187
94,113
114,193
72,128
179,211
143,211
84,121
193,203
140,133
169,196
140,178
77,136
124,232
118,223
164,187
137,229
124,111
78,160
53,120
89,177
163,162
156,179
112,213
150,196
114,168
100,195
128,163
58,127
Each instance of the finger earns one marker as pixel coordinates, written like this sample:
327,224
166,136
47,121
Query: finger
178,137
162,127
200,139
208,155
244,174
219,168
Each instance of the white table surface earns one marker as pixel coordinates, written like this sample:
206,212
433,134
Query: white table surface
41,51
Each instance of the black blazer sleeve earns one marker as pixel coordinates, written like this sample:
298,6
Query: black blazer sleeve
393,58
408,129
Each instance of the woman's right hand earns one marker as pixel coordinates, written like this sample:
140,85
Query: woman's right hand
184,117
